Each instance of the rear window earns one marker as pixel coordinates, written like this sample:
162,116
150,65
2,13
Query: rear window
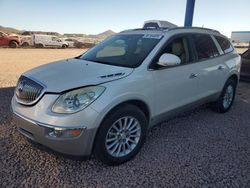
224,44
204,46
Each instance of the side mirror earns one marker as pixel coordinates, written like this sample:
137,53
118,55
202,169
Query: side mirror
169,60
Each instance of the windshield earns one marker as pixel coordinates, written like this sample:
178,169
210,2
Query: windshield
123,50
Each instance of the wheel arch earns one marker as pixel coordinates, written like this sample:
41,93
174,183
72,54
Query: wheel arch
138,103
234,77
13,40
143,106
25,44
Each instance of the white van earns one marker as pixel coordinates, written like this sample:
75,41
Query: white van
42,41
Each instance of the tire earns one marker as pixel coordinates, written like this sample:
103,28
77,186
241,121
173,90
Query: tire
64,46
226,99
25,45
39,45
136,129
13,44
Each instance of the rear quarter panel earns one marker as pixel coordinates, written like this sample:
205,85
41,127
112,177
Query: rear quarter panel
233,63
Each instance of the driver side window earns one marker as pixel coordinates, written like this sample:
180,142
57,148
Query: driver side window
178,47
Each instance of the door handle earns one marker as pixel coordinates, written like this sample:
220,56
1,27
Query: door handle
193,75
220,67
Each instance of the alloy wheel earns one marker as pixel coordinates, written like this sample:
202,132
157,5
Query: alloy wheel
123,136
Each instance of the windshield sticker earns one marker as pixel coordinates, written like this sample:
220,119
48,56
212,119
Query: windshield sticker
152,36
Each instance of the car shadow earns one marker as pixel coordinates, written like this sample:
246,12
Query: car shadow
5,110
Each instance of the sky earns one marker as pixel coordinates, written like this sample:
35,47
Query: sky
96,16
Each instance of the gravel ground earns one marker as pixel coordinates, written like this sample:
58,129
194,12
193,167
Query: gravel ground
197,149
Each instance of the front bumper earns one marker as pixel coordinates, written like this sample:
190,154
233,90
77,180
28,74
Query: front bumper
77,146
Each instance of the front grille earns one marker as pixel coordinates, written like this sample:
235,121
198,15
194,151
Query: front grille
28,91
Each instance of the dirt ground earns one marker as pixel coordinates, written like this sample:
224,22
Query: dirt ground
241,50
14,62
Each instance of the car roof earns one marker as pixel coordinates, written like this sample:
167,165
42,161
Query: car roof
164,31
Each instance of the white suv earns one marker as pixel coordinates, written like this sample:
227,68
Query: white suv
105,100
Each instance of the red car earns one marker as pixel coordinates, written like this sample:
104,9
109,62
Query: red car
245,65
9,40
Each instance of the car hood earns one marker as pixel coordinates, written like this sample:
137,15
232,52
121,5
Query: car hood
13,36
72,73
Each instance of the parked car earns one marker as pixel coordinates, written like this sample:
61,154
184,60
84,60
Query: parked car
42,41
26,41
105,100
70,42
12,41
79,44
245,65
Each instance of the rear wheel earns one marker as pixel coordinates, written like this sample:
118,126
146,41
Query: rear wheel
64,46
39,45
121,135
13,44
25,45
227,96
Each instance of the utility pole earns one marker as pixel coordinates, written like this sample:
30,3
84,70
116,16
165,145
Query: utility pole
189,13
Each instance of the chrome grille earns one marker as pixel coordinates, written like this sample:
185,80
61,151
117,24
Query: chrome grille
28,91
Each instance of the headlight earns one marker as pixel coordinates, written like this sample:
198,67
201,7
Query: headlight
76,100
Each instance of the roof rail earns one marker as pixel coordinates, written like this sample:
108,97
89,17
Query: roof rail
145,29
170,29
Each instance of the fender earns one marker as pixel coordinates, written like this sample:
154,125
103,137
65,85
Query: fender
121,99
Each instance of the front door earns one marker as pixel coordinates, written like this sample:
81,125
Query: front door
177,86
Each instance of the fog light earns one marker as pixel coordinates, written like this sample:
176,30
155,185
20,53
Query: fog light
64,133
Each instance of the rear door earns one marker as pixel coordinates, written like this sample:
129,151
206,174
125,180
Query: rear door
227,58
210,65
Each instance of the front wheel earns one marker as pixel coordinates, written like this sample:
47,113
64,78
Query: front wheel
227,96
13,44
64,46
121,135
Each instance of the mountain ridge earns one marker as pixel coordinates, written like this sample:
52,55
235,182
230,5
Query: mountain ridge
11,30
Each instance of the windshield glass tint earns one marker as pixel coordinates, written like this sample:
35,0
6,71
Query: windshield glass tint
123,50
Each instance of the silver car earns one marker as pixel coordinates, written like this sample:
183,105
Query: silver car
105,100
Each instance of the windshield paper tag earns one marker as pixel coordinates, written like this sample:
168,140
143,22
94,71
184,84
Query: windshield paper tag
152,36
